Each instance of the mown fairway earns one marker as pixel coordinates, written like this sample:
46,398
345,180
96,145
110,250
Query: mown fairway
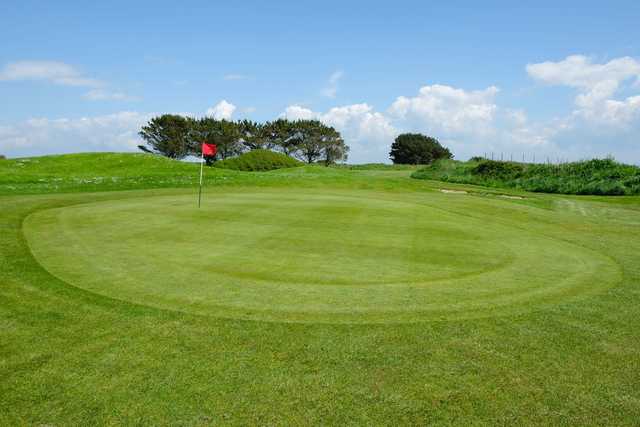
313,295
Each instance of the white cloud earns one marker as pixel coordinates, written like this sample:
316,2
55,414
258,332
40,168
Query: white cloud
104,95
297,112
61,74
367,132
599,124
580,71
357,121
441,109
597,83
331,89
222,110
361,122
52,71
622,114
38,136
470,122
235,77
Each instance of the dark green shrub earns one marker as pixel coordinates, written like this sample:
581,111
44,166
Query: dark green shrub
417,149
258,160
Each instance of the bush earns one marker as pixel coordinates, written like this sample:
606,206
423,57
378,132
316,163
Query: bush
495,169
258,160
2,157
417,149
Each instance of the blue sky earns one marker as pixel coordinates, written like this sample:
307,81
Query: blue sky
560,79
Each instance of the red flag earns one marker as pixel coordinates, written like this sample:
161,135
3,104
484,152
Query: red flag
209,150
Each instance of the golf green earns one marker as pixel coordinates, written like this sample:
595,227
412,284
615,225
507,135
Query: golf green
336,256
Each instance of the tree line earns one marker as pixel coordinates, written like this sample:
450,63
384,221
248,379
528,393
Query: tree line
176,137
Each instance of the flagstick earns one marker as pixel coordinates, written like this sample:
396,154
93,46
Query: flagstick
201,166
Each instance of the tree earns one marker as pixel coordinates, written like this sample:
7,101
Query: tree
254,135
144,149
168,135
312,140
279,134
306,138
415,148
335,150
224,134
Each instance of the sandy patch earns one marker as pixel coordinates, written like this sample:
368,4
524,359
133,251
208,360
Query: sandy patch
453,191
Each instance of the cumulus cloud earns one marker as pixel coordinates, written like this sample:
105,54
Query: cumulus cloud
596,84
580,71
38,136
452,114
222,110
331,89
447,110
367,132
469,121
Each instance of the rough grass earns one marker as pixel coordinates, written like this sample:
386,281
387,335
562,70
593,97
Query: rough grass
72,355
595,177
258,161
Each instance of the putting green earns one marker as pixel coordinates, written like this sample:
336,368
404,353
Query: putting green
314,256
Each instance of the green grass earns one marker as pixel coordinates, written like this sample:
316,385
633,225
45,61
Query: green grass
258,161
314,296
377,167
589,177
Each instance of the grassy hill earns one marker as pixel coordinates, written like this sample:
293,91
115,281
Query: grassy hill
93,171
258,161
596,177
310,296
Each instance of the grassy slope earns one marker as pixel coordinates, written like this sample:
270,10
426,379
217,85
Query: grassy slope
68,356
92,172
597,177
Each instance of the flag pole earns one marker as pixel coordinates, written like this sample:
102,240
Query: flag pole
201,167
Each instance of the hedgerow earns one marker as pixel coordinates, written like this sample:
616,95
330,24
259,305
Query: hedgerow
596,176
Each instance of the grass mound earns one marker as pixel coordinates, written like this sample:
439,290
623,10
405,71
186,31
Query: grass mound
595,177
259,161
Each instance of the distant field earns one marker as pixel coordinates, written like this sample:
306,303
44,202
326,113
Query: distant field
310,295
